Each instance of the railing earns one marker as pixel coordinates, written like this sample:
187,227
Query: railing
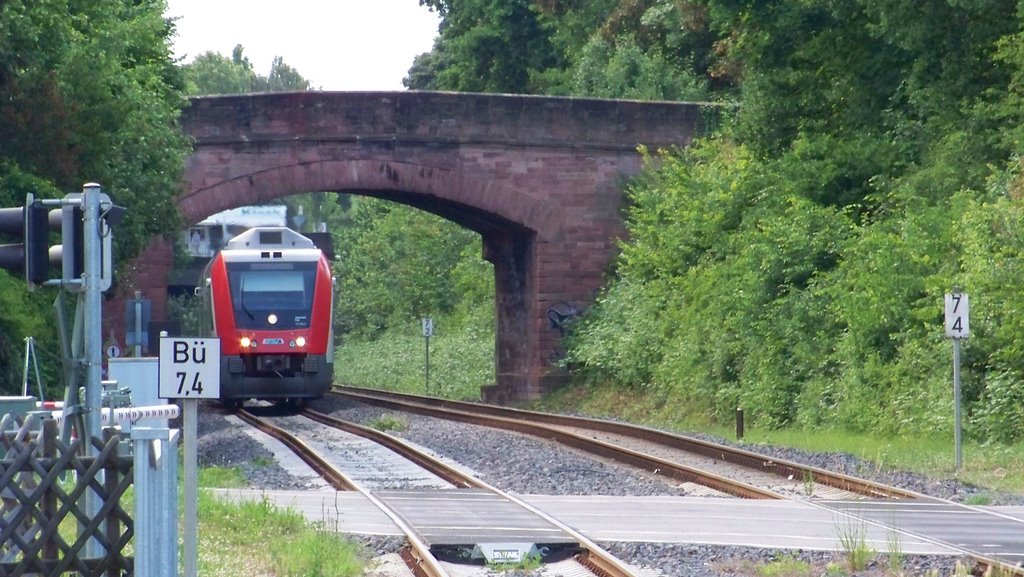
48,488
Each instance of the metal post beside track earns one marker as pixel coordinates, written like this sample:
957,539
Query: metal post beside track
957,313
428,331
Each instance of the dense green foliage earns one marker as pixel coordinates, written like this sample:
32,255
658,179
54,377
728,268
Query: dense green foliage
88,92
802,254
461,358
794,262
397,264
657,50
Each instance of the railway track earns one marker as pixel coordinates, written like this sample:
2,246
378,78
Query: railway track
428,541
727,470
993,540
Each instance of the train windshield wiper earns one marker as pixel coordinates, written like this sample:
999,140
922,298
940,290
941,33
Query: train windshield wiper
241,301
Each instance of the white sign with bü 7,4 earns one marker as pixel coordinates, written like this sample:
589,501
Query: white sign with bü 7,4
189,368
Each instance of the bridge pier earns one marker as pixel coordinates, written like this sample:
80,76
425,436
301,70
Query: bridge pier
541,288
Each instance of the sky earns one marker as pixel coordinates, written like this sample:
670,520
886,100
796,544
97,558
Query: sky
335,44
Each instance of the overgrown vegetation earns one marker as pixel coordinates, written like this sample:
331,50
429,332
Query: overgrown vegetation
852,536
785,567
793,263
397,265
388,422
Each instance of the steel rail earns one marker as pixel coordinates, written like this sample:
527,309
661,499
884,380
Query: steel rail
417,557
601,562
734,455
654,465
334,477
449,474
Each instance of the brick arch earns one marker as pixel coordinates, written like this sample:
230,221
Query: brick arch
540,179
432,185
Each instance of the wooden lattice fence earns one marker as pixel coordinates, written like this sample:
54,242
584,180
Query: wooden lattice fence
44,522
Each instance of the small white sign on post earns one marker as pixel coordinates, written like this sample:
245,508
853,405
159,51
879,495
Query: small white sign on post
958,324
189,368
958,327
428,331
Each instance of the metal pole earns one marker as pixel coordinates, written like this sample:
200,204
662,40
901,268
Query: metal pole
958,440
191,537
24,374
93,340
426,367
93,336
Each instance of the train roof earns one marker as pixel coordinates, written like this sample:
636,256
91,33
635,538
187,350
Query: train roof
269,237
270,242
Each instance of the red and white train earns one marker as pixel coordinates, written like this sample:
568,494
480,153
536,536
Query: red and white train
269,296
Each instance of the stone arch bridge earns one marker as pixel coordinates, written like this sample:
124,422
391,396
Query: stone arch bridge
539,178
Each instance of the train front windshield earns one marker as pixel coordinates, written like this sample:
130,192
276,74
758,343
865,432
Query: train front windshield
269,296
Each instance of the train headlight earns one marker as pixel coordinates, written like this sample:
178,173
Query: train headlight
300,341
245,342
272,319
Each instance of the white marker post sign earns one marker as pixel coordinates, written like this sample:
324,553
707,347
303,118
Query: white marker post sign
958,327
428,331
190,370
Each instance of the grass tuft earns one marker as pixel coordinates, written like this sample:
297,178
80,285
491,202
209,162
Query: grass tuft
852,536
388,422
785,567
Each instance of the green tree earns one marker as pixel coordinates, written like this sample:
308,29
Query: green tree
88,92
284,78
626,71
649,49
212,73
398,263
490,46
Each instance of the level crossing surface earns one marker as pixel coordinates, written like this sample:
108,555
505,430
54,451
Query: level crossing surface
469,516
696,520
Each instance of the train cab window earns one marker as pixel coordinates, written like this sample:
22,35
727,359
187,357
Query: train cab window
272,296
